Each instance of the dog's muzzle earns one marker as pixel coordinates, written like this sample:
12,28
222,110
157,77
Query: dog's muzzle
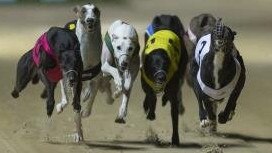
71,77
90,24
123,65
160,80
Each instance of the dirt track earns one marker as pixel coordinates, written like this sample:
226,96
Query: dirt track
23,123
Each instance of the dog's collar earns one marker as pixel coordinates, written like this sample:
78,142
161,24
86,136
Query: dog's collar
71,71
92,72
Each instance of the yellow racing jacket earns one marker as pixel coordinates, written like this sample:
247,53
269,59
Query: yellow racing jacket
169,42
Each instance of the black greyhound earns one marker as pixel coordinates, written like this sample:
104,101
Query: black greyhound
63,59
217,72
55,56
164,64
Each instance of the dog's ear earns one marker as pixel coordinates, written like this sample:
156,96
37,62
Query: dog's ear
77,9
46,61
96,11
156,20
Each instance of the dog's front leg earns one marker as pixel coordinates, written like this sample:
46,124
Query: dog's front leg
175,119
229,110
108,69
123,108
50,88
60,106
127,80
77,108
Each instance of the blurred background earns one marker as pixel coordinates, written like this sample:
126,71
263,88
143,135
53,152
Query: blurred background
23,121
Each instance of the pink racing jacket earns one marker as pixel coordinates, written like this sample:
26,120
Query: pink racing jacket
42,45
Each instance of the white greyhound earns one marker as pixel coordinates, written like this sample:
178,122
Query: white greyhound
120,59
88,31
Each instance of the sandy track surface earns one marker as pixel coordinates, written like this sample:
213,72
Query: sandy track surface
24,127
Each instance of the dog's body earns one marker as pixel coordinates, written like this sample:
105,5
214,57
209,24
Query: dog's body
217,72
120,59
55,56
88,30
164,62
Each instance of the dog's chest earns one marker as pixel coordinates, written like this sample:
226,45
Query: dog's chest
90,49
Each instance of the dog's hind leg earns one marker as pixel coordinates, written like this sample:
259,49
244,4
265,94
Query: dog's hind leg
93,87
25,71
105,86
61,105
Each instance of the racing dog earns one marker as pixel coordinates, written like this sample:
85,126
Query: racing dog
217,72
163,67
120,59
88,30
55,56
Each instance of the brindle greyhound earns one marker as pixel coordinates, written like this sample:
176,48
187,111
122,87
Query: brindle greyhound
88,30
217,72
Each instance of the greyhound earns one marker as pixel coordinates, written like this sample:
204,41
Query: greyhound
88,30
120,59
217,72
55,56
164,61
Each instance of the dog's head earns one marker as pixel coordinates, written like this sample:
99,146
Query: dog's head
168,22
89,16
156,66
222,37
125,44
71,65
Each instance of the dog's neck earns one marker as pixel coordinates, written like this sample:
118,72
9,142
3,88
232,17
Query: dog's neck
90,45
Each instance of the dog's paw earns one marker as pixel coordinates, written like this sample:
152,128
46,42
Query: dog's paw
85,94
175,141
59,108
15,94
223,118
151,116
181,109
78,137
118,83
44,94
109,100
85,113
120,120
116,94
205,123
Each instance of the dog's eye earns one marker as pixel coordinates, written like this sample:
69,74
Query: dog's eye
119,47
83,11
170,41
130,49
153,41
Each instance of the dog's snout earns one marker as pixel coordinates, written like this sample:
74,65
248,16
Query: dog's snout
124,65
160,77
90,21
